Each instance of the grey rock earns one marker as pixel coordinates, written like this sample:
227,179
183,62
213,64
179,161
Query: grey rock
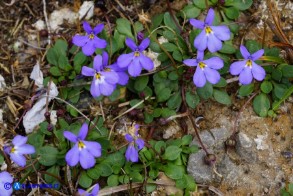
244,148
230,171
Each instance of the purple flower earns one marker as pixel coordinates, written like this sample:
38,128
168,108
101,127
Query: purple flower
5,178
122,75
132,150
94,192
104,79
212,36
19,149
83,151
248,68
136,60
90,42
206,69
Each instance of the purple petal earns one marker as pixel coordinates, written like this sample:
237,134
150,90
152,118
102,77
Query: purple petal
125,59
144,44
99,43
87,27
111,77
95,88
105,58
19,159
244,52
214,44
19,140
200,55
87,71
7,149
134,69
80,40
190,62
128,137
212,75
197,23
82,192
72,156
146,62
257,55
221,32
131,154
199,78
214,63
70,136
107,89
98,63
123,78
96,190
83,131
26,149
245,76
94,148
258,72
200,42
5,177
88,49
98,28
237,67
87,160
210,17
131,44
140,143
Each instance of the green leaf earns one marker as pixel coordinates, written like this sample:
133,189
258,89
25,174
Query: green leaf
94,173
222,97
279,90
190,11
85,181
78,61
228,48
55,71
231,12
266,87
157,112
73,95
164,95
63,63
200,4
221,83
172,153
138,26
246,90
277,74
105,169
157,20
115,95
52,170
160,146
166,112
173,75
239,4
61,47
175,101
177,55
1,159
148,118
261,105
36,139
140,83
287,71
113,180
192,99
133,102
124,27
168,21
48,155
174,171
206,91
52,56
190,183
186,140
170,47
252,46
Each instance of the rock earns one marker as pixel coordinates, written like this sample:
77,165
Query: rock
244,148
201,172
230,171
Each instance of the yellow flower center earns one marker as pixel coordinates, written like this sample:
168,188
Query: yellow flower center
13,150
91,36
249,63
202,65
136,54
81,145
208,30
98,76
